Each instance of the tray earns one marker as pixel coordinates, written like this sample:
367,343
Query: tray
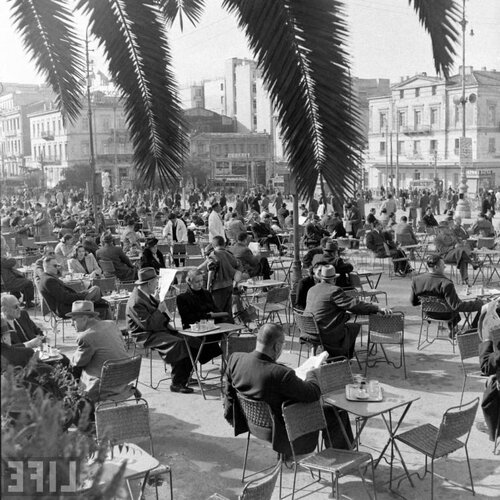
204,330
352,389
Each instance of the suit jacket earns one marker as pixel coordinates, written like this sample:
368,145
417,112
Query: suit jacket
103,341
74,266
404,234
195,306
257,376
489,361
25,329
148,260
58,296
124,269
330,306
143,316
13,279
249,262
375,242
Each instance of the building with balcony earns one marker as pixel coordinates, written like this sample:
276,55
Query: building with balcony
414,131
56,145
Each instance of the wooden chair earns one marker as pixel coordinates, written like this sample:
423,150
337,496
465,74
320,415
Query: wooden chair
435,443
383,330
305,418
126,422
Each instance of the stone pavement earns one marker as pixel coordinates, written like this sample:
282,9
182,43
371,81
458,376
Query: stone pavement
192,436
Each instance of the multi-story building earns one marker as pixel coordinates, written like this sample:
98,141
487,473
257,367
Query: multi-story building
236,161
414,131
16,102
57,145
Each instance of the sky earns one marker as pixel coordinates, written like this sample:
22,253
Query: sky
386,41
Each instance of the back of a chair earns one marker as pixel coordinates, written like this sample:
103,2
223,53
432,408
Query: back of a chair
483,242
334,376
306,323
303,418
457,421
193,250
105,284
120,371
238,343
123,422
355,281
178,250
126,285
386,329
432,304
278,295
468,345
263,487
108,268
258,416
164,248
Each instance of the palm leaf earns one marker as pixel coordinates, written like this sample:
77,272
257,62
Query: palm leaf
192,9
47,30
131,33
298,46
440,18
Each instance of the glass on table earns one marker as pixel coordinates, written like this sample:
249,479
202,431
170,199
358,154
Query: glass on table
373,388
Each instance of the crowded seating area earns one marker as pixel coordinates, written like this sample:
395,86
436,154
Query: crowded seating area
184,321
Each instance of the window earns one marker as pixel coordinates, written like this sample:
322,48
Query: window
416,176
417,118
401,94
254,104
457,146
434,90
433,146
491,145
382,148
401,119
197,92
105,123
401,148
85,148
492,110
458,112
417,92
60,151
254,120
254,88
222,100
434,116
416,148
383,121
222,86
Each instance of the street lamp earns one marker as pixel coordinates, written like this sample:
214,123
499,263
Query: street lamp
465,143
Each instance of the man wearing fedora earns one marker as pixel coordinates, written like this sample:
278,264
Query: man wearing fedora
98,341
149,317
124,269
331,256
331,306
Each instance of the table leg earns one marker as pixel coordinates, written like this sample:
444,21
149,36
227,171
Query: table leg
194,362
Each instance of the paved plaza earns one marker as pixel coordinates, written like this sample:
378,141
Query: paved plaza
191,434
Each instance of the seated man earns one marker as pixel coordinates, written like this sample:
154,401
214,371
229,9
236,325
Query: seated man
263,232
309,256
331,256
253,265
436,284
124,269
98,341
14,281
258,375
60,297
196,303
489,360
404,232
147,316
330,306
305,284
235,227
429,219
482,227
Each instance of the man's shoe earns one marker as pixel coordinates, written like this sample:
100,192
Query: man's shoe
184,389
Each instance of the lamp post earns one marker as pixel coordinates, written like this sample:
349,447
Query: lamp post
465,143
92,184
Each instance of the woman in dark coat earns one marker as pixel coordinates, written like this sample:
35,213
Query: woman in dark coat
151,256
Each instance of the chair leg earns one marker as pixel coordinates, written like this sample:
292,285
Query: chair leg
463,387
432,479
470,472
294,479
245,459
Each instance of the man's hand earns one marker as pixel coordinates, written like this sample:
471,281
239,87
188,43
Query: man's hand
163,307
33,343
385,311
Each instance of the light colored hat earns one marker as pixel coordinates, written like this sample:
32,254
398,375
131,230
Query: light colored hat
328,272
82,308
146,274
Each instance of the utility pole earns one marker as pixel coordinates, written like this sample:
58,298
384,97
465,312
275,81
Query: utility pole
386,155
92,185
392,168
397,160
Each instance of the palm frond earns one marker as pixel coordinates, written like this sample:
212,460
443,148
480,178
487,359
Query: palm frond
192,9
299,48
47,30
440,18
131,33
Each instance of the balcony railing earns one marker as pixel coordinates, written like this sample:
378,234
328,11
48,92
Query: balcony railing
417,129
47,136
10,133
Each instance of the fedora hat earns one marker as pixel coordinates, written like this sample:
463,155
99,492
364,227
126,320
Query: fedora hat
146,274
151,242
82,308
328,272
331,246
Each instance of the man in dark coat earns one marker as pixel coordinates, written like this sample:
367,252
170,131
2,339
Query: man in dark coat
331,306
258,375
251,264
14,281
436,284
23,330
124,269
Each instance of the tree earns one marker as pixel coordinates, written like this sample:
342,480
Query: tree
299,45
197,171
77,176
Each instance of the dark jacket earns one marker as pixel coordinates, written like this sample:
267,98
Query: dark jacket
58,296
148,260
375,242
489,361
13,279
257,376
25,329
124,269
249,262
195,306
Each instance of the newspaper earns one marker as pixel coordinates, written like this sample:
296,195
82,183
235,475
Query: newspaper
167,277
310,364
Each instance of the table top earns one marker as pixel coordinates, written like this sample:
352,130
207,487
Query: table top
393,398
220,328
138,462
491,251
367,272
116,297
262,283
48,242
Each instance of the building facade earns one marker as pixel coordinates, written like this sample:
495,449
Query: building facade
414,132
